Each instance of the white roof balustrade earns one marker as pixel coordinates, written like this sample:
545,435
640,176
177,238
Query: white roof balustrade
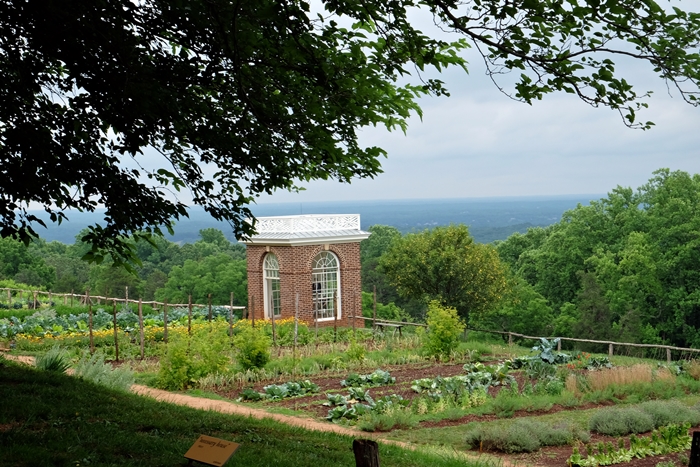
307,229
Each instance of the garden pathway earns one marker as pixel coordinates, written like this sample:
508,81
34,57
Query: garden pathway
242,410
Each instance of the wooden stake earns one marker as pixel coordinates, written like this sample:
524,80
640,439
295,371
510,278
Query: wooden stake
354,311
230,317
35,293
209,298
165,320
189,314
116,340
71,298
366,453
610,350
89,303
668,355
272,317
335,316
252,310
141,327
695,450
374,319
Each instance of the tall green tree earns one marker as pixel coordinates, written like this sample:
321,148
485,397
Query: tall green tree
270,93
445,264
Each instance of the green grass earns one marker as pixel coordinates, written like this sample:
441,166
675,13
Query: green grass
53,419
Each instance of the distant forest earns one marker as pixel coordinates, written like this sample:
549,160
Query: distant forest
625,267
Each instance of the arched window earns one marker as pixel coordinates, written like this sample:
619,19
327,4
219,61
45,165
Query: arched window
271,279
326,285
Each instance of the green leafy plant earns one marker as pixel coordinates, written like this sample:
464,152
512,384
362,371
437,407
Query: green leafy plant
620,421
253,347
289,389
444,330
55,360
522,435
93,368
377,378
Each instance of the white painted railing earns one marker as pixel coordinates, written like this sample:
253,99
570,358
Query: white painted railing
308,223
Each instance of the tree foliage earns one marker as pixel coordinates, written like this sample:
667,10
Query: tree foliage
445,264
243,98
629,263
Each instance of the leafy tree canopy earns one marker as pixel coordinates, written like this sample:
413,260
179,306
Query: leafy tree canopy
445,264
243,98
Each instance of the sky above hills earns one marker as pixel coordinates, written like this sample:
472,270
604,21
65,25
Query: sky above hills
480,143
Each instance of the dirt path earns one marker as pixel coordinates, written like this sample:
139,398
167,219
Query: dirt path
241,410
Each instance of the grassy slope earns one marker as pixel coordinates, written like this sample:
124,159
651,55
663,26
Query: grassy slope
51,419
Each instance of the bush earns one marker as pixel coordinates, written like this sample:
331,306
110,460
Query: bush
253,347
621,421
93,368
55,360
444,330
670,412
523,435
189,358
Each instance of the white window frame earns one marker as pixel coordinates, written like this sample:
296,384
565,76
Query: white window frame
325,271
271,277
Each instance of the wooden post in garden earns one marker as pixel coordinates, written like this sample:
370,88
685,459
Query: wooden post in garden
354,310
668,355
189,314
209,299
366,453
116,340
695,450
165,320
9,297
374,319
559,345
141,327
89,304
510,339
296,324
230,317
252,310
126,296
610,350
35,294
65,298
335,316
50,298
274,328
71,298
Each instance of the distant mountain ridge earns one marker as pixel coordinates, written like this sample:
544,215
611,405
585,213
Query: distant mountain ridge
489,219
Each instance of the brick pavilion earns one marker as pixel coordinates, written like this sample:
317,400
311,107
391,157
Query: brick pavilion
316,256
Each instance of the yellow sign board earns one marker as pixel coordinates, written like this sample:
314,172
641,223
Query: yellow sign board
212,451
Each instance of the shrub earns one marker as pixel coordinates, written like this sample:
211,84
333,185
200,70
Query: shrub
253,347
55,360
189,358
523,435
670,412
621,421
356,352
444,330
391,420
93,368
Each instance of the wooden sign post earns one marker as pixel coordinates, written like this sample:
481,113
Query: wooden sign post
211,451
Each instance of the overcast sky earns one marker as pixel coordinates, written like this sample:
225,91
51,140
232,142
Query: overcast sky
479,143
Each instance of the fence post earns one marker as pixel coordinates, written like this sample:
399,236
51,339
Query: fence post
141,327
272,317
89,304
695,450
209,299
165,320
71,298
335,316
296,324
668,355
374,319
354,311
252,310
9,297
559,345
189,314
116,340
50,298
610,350
126,296
35,294
230,317
65,298
366,453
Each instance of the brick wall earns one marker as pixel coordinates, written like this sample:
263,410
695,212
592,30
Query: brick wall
295,264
